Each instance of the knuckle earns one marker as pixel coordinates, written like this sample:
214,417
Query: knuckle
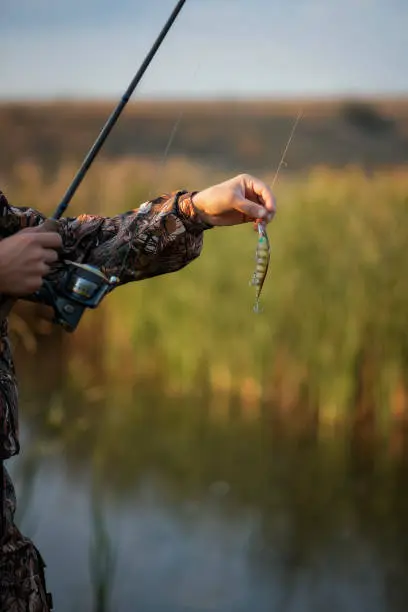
37,253
243,176
28,238
56,242
55,236
34,283
41,268
35,242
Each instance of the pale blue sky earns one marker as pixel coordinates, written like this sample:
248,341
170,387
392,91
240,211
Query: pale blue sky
92,48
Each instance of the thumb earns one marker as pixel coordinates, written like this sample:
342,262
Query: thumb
49,225
251,210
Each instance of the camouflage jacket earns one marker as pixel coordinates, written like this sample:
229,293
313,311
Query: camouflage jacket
161,236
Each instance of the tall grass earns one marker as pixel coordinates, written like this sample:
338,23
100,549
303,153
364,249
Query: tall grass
332,340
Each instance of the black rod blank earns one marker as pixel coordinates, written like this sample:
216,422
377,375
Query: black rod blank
115,114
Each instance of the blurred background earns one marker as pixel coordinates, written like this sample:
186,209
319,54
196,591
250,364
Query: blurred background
179,452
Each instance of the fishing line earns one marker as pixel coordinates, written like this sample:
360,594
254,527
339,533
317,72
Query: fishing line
162,163
262,254
170,141
282,160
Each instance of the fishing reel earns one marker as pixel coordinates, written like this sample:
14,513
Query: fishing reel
81,286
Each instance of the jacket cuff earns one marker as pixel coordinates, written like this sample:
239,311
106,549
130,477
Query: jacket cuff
188,213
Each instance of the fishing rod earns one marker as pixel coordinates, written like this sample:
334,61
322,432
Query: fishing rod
93,152
83,286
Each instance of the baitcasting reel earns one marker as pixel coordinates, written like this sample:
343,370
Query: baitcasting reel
82,286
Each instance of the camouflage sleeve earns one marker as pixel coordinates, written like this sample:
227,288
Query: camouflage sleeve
9,444
161,236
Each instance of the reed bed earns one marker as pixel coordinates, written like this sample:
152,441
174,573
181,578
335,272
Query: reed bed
332,340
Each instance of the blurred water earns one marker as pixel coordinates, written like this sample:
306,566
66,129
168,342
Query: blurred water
190,513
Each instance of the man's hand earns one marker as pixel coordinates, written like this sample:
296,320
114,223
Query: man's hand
240,200
26,257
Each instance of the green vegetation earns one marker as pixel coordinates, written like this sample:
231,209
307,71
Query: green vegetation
332,341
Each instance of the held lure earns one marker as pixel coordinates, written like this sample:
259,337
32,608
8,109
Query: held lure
263,250
262,263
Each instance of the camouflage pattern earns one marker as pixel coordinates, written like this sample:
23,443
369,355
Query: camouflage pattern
22,579
159,237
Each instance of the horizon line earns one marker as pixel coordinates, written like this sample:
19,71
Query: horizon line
275,98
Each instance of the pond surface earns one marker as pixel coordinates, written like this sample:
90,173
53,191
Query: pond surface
167,505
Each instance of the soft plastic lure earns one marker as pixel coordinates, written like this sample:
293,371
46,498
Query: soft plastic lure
263,250
262,257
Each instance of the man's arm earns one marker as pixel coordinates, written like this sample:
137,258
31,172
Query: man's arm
159,237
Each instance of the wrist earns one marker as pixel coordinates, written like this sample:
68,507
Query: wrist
191,212
199,208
